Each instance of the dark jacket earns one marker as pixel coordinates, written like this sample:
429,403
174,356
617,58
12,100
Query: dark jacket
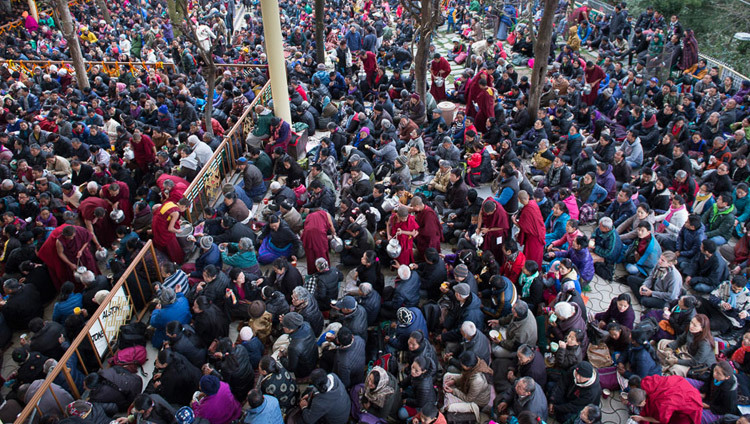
350,363
302,354
178,380
327,287
287,282
356,322
331,407
406,293
311,313
189,344
25,304
237,371
569,398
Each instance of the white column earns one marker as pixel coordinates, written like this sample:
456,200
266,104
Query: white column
275,55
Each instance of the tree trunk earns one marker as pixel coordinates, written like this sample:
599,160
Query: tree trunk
420,64
102,4
175,17
209,108
541,54
68,30
320,42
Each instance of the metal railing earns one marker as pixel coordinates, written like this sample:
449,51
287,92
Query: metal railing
128,298
112,68
206,186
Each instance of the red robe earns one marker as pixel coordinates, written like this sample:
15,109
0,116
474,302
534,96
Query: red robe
180,186
71,248
485,100
493,239
123,196
104,228
163,239
430,232
472,87
441,68
531,232
671,400
592,74
143,152
407,242
370,63
58,270
315,238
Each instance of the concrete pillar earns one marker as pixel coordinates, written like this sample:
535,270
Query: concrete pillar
275,55
33,10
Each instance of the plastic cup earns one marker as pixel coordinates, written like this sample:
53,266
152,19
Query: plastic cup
554,346
265,201
494,335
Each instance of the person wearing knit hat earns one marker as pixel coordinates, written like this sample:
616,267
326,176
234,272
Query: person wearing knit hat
348,303
582,387
206,242
292,322
209,384
404,272
583,371
401,160
163,109
461,271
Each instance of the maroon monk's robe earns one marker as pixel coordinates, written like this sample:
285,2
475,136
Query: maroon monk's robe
71,248
493,240
104,229
407,242
471,91
531,232
123,197
59,271
315,238
144,152
439,68
485,100
592,74
430,232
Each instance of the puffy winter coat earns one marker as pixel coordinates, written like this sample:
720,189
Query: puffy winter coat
302,354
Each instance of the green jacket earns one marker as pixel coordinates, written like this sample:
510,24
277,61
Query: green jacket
262,125
265,165
719,223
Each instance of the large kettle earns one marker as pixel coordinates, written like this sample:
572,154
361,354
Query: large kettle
336,244
117,216
393,248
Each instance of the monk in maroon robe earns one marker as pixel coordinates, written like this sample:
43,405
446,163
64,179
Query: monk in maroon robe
439,68
472,87
75,247
430,231
176,187
118,195
315,238
531,229
94,212
485,100
144,150
493,225
594,75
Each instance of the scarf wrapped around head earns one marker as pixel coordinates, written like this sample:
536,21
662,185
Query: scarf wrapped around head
382,391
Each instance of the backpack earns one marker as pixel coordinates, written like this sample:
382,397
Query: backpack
387,362
131,358
647,326
132,335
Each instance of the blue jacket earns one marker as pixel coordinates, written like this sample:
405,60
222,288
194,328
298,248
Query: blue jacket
689,242
353,40
254,348
418,323
177,311
210,257
620,212
650,257
598,195
555,227
641,362
581,259
472,311
64,309
269,412
406,293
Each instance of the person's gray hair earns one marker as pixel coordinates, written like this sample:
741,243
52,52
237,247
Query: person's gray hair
528,384
681,173
521,307
606,222
544,141
87,277
300,292
469,328
245,244
365,288
321,264
526,350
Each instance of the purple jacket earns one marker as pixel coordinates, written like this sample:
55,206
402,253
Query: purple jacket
607,180
221,408
626,318
581,259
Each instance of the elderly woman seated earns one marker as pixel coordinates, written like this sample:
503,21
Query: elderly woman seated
240,255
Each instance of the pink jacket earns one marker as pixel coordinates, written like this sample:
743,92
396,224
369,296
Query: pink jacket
572,205
567,238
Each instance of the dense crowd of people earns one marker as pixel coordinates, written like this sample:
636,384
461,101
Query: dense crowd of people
496,222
